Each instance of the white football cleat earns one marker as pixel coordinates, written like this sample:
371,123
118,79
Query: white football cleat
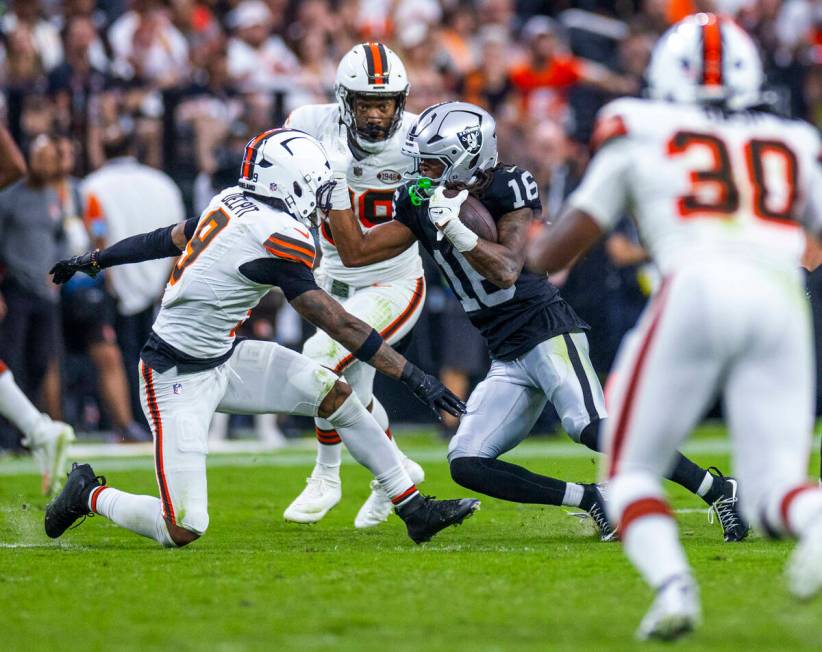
674,613
804,569
49,444
378,506
322,491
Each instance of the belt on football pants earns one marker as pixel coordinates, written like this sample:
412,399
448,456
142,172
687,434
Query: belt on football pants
340,289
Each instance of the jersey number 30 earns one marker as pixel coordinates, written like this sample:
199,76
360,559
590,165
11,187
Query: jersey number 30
771,166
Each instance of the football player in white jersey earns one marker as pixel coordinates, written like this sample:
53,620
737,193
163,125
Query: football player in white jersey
724,195
250,237
363,133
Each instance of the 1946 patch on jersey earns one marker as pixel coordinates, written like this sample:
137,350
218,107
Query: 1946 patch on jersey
391,177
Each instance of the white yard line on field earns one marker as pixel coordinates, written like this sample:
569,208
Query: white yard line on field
119,457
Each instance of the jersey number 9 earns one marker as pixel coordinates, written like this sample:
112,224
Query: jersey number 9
206,231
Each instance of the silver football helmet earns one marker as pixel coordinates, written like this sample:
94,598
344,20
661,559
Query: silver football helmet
461,136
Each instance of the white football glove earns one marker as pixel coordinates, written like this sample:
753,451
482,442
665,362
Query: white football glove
340,159
444,213
340,197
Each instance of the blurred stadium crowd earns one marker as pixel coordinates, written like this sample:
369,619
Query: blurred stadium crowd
91,88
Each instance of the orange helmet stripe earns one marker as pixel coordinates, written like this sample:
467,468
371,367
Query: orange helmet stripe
711,52
248,157
376,62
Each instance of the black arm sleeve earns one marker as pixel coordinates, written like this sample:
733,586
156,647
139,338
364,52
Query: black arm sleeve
146,246
292,278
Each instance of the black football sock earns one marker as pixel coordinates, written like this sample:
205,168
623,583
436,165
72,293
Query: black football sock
506,481
696,479
590,435
685,472
589,497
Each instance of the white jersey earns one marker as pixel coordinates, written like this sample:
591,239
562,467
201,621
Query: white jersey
207,298
371,182
706,187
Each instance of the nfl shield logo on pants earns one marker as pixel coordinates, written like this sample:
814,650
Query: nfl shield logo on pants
177,388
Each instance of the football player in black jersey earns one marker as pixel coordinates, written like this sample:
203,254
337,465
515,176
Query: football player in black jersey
537,342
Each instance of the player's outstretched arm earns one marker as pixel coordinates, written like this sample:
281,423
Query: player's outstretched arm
366,344
165,242
556,247
358,248
12,163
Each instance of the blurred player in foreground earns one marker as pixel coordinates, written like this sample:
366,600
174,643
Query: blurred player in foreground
367,127
249,238
536,340
48,440
721,191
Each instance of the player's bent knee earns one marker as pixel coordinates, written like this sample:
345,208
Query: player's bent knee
182,536
590,435
334,399
468,472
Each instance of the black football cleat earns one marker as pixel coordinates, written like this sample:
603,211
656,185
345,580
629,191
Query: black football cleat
72,503
734,527
424,516
593,502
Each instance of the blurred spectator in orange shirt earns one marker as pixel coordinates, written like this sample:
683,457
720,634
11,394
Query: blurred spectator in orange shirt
544,79
456,38
489,85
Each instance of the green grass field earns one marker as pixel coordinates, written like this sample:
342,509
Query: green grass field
511,578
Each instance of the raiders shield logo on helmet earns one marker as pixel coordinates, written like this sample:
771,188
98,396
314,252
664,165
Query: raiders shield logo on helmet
471,139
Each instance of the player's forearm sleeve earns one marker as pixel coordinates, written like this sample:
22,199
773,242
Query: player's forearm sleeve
291,277
145,246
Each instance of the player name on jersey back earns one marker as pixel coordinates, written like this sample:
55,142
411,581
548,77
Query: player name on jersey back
371,183
703,184
207,297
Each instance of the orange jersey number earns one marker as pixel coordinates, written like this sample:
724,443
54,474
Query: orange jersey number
207,230
772,173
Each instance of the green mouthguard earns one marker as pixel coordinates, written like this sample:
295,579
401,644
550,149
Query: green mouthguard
420,191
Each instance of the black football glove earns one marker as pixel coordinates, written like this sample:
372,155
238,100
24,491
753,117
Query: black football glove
65,269
431,391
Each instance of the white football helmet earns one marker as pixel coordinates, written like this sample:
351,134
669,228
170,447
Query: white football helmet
292,167
706,58
370,69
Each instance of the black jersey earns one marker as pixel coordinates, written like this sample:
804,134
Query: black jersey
512,320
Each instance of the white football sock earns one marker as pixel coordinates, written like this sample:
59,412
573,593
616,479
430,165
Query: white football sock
707,484
328,454
140,514
652,544
398,485
804,510
368,444
17,408
381,417
573,494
